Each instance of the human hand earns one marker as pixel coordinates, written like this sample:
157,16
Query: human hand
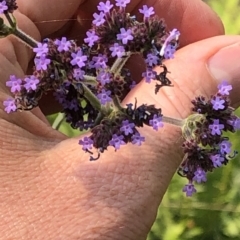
49,188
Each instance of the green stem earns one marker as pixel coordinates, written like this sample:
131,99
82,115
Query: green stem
58,120
91,98
173,121
11,22
119,63
29,41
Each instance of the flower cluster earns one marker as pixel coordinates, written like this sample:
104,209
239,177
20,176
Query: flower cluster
205,146
7,6
90,80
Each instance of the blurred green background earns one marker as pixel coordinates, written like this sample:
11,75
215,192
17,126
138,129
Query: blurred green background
214,212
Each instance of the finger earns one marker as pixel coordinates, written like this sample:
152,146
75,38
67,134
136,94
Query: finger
49,16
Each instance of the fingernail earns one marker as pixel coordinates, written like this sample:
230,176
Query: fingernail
225,64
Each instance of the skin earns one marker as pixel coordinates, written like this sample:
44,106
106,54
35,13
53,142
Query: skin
49,188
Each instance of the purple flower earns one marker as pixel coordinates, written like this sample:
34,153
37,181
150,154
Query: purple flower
10,105
41,49
78,59
105,7
173,35
72,105
98,19
189,189
104,77
127,127
104,97
91,38
122,3
218,103
216,127
217,160
117,141
78,73
200,175
169,52
149,75
100,61
41,63
224,88
147,12
151,60
63,44
86,142
117,50
125,35
31,83
156,122
3,7
14,83
235,123
137,139
225,147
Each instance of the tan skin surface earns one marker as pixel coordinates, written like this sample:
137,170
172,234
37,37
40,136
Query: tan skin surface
49,189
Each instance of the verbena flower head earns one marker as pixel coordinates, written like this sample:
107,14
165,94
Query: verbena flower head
205,146
91,80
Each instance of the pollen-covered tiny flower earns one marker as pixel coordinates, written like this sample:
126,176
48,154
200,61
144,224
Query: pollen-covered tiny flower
99,19
104,96
117,50
125,35
14,83
218,103
63,44
105,7
116,141
41,49
217,160
137,139
224,88
156,122
216,127
189,189
3,7
41,63
78,59
146,11
87,143
91,38
122,3
31,83
10,105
